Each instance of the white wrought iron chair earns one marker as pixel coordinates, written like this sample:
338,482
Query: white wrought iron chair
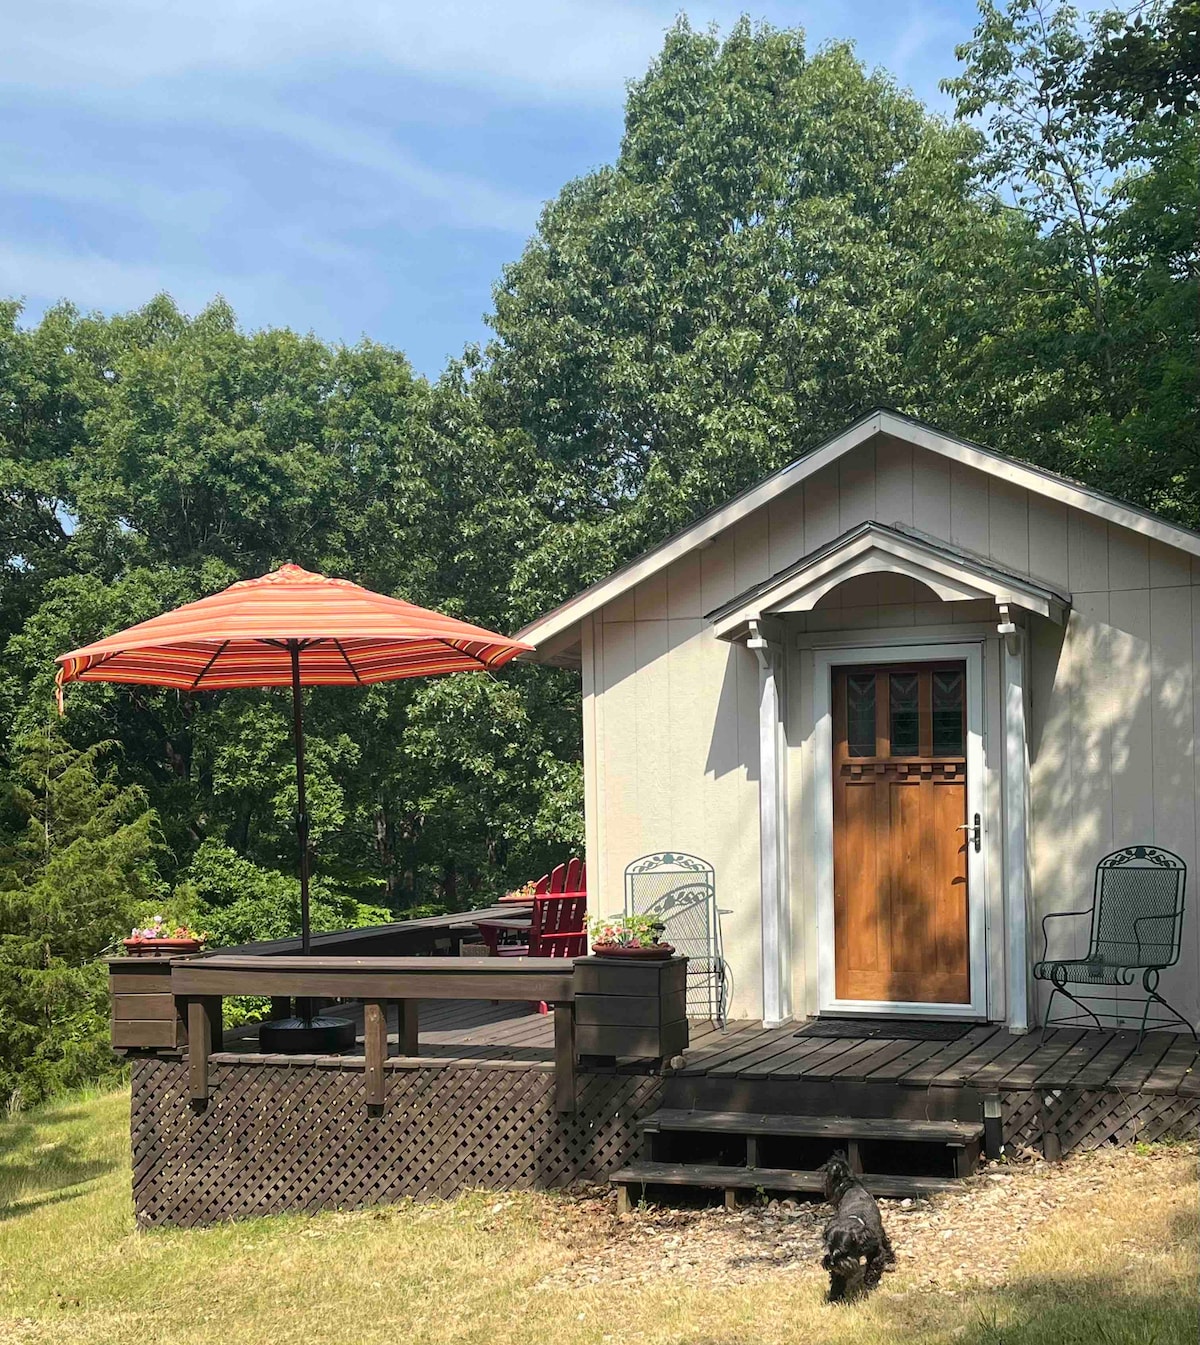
679,893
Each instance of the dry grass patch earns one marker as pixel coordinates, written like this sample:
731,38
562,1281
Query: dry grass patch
1100,1249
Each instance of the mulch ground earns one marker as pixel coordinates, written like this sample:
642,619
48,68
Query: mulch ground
971,1235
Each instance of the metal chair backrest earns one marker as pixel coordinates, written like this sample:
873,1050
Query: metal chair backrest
679,891
1137,917
558,926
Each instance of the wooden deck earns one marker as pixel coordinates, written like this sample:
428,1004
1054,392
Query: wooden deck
479,1105
986,1058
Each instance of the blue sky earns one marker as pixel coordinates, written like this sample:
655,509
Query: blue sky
350,167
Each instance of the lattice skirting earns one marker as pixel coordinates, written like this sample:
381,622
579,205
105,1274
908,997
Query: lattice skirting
1059,1121
297,1137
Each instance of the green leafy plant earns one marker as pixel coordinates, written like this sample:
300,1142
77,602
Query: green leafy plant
627,931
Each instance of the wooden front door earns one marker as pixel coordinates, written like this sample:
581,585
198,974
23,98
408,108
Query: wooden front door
899,851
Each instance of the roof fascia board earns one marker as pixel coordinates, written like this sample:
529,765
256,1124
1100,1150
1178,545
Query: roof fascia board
1042,483
696,534
877,422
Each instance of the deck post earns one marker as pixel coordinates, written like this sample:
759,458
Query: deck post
407,1026
204,1037
564,1057
375,1045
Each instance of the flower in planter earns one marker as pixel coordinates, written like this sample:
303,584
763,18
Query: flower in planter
627,931
159,929
525,892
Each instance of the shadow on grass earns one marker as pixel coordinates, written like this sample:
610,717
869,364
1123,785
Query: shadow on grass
1066,1311
1089,1314
38,1170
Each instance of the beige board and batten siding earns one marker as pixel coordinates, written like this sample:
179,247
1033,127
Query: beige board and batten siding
673,715
670,711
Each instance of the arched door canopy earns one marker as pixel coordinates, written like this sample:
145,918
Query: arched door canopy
877,548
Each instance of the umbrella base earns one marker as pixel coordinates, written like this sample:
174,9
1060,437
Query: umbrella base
315,1036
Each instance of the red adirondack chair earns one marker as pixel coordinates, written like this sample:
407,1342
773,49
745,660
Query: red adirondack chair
569,878
557,925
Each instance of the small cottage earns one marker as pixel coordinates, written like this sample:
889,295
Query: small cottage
902,695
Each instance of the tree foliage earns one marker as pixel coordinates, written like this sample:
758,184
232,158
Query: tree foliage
1147,61
76,870
1112,188
784,241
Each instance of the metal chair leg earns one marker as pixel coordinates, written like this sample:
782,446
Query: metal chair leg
1173,1011
1079,1004
1145,1014
1046,1014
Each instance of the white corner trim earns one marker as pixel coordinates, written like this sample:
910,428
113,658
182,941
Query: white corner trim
772,833
824,661
1014,841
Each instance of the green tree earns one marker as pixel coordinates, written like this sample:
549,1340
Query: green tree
77,853
1022,67
1148,60
784,241
1111,186
198,454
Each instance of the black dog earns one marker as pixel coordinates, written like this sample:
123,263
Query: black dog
857,1249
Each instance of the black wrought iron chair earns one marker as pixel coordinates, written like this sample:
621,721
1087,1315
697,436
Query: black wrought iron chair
1136,926
679,892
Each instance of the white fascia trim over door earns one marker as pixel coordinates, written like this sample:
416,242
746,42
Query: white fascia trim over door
825,660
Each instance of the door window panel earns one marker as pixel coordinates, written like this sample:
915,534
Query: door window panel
905,708
860,714
948,713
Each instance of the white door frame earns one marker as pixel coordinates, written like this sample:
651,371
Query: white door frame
824,661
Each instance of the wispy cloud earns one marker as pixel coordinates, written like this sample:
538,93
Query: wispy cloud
925,27
558,48
346,165
91,280
461,200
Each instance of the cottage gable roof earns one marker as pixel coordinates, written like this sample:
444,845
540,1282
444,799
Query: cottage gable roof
555,630
954,574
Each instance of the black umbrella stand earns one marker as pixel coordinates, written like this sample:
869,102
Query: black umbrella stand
308,1033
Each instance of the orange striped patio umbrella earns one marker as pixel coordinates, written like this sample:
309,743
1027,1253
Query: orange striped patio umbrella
288,628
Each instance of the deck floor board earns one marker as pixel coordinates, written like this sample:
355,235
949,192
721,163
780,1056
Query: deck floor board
987,1058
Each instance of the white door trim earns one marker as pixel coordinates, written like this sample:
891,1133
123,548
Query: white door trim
824,661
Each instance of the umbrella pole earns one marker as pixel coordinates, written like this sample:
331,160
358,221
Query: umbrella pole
308,1032
303,1006
301,802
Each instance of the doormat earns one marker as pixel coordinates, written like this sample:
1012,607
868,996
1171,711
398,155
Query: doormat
901,1029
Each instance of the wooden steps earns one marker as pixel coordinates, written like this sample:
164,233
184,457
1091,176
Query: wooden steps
734,1179
953,1134
747,1151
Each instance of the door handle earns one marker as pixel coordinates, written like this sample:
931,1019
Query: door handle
976,829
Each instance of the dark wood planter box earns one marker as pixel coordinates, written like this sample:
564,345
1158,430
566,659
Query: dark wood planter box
631,1008
144,1015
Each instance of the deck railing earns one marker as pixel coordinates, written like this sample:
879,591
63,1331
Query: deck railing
623,1010
161,1003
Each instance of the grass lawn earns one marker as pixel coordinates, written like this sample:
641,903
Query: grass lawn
1107,1252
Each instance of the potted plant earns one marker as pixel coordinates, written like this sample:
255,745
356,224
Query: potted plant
630,936
158,939
521,896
